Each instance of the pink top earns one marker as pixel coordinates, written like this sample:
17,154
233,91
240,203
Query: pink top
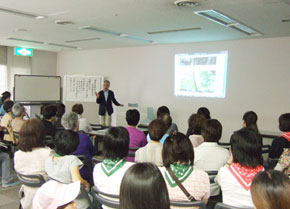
137,139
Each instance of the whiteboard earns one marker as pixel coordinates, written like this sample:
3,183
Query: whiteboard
82,88
37,88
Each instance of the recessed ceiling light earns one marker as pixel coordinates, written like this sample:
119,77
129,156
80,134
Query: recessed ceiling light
286,20
123,35
186,3
64,22
40,17
20,30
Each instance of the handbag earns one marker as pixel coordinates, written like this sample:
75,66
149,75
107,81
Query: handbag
189,196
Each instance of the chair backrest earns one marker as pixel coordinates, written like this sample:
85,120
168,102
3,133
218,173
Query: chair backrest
220,205
103,198
5,130
31,180
212,175
132,151
96,160
48,141
199,204
16,135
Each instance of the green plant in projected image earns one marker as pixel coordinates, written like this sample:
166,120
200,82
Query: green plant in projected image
207,80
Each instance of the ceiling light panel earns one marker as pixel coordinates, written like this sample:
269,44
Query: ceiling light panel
226,21
90,28
21,13
81,40
173,31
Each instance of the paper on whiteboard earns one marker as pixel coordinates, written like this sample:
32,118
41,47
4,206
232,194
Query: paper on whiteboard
82,88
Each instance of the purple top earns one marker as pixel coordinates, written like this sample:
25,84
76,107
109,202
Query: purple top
86,148
137,139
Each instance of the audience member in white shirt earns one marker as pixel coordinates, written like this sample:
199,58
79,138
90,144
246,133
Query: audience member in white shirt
83,123
245,162
209,156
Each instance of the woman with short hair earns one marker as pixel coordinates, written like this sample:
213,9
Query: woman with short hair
30,158
19,112
108,174
271,190
178,156
83,123
195,122
70,122
245,162
143,187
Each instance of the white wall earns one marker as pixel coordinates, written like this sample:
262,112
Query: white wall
257,79
42,63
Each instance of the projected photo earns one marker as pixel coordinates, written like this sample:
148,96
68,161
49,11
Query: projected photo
201,75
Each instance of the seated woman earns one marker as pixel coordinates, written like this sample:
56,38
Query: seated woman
85,147
250,119
30,158
245,162
140,179
49,113
55,195
271,190
108,174
60,110
284,162
83,123
165,110
64,167
204,111
195,122
19,112
281,142
178,156
137,137
167,120
209,156
7,120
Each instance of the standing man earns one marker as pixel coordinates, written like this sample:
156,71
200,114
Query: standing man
105,99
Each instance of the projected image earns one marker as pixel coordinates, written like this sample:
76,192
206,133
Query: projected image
201,75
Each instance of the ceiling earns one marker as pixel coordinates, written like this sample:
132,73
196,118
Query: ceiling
135,18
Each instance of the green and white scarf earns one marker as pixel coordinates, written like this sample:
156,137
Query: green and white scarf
180,171
110,166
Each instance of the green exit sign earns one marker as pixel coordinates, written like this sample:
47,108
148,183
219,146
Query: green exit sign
23,52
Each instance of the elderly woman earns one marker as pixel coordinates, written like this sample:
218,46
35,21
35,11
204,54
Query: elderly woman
70,122
19,112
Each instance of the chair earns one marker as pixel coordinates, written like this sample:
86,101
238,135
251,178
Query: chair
132,151
212,175
220,205
199,204
102,198
16,135
97,127
48,141
31,180
96,160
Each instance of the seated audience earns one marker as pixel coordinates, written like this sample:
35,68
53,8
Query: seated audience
108,174
250,121
55,195
164,110
195,122
167,121
245,162
6,176
178,156
137,137
7,120
19,112
6,95
85,147
284,162
49,114
143,187
64,167
204,111
283,141
209,156
271,190
152,151
60,110
83,123
30,158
